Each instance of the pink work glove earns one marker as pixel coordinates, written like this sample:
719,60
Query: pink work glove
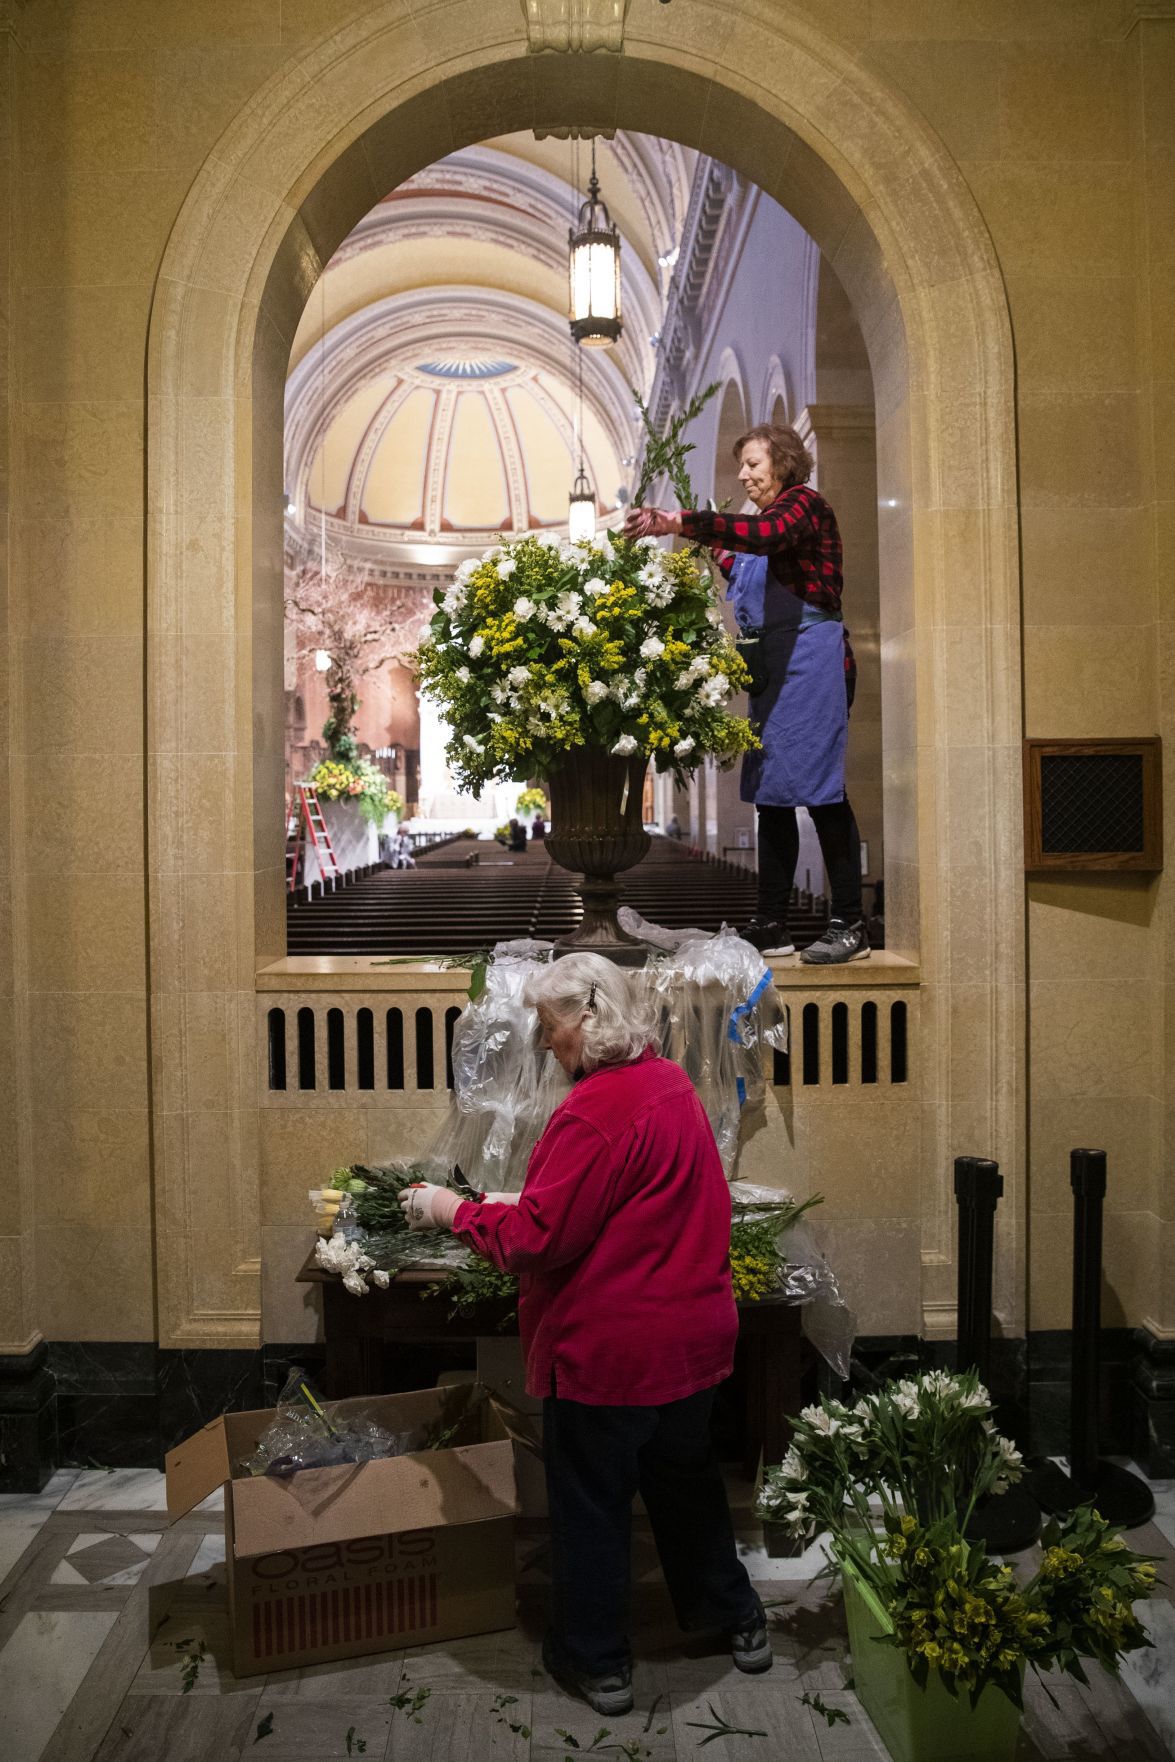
652,523
429,1207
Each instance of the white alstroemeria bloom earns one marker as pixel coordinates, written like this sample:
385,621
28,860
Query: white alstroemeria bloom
821,1420
652,647
907,1404
792,1466
476,646
355,1283
463,675
596,692
974,1398
684,746
1010,1457
583,627
506,568
715,692
518,676
624,746
595,587
524,608
473,745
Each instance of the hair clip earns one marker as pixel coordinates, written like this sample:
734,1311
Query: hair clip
592,996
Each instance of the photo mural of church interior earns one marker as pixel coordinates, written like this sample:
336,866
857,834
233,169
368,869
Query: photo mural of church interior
431,410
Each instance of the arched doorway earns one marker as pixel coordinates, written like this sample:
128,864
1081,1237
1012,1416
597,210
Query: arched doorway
865,176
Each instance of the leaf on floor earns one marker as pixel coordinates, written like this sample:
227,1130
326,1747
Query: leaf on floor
834,1715
265,1728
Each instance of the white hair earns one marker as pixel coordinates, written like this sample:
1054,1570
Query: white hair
619,1018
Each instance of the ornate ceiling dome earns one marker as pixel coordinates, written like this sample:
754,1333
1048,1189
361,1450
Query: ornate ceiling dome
431,403
460,447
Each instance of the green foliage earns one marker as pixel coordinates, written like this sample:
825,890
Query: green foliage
264,1728
358,780
470,1287
721,1728
926,1450
665,454
758,1251
832,1715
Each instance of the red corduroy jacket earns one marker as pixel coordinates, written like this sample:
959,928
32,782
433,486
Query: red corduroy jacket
621,1242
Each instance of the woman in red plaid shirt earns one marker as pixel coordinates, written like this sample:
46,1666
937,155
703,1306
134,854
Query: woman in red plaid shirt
783,567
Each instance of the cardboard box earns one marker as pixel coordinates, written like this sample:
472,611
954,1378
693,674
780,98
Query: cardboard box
366,1557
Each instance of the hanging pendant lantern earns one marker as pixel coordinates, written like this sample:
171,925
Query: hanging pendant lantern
595,272
581,510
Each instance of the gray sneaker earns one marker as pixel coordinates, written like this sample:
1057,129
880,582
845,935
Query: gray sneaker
841,942
611,1695
751,1649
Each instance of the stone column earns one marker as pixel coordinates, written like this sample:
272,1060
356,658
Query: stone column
27,1402
842,438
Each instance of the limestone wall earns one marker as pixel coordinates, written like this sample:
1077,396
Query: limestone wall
133,1133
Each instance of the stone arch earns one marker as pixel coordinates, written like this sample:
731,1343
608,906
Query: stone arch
732,420
314,149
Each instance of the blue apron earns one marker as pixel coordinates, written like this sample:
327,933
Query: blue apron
802,715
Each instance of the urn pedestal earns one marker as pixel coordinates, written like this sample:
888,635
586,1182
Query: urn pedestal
597,832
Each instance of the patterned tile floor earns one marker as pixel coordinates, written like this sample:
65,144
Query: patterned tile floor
98,1590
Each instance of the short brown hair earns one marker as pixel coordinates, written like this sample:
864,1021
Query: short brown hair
790,457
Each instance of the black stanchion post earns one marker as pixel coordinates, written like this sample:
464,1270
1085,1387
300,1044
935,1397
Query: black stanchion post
979,1186
1087,1177
1120,1496
1008,1521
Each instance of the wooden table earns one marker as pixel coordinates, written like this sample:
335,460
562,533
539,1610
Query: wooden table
774,1358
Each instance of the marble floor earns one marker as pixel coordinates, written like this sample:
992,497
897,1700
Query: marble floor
104,1605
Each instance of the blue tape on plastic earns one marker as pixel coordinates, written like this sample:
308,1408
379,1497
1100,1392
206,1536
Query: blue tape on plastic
733,1031
741,1087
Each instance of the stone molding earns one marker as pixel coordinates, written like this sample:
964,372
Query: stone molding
574,26
856,163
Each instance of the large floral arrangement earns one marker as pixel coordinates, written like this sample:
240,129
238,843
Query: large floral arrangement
894,1480
359,781
542,646
532,801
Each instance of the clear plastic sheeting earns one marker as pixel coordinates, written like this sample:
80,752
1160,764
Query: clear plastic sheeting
307,1432
720,1012
827,1319
505,1088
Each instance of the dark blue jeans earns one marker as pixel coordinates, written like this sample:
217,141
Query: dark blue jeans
597,1460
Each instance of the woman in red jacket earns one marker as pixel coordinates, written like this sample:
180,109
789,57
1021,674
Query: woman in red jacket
621,1239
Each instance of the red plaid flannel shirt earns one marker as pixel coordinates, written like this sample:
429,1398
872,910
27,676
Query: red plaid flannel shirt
797,532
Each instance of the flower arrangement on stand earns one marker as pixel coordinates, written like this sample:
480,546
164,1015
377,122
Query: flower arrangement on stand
893,1482
580,663
532,802
358,780
543,646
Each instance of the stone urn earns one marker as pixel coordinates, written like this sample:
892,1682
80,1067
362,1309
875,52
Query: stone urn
596,832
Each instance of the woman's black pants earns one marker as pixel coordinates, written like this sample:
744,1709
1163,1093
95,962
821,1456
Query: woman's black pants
779,849
597,1460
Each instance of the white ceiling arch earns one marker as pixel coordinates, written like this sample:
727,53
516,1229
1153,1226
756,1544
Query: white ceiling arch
431,399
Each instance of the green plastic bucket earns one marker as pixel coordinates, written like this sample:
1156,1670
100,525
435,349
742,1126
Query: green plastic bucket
920,1725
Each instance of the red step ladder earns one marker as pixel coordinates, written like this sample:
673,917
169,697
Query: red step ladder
309,814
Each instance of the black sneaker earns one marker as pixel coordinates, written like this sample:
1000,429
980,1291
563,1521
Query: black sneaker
768,935
841,942
610,1694
751,1649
